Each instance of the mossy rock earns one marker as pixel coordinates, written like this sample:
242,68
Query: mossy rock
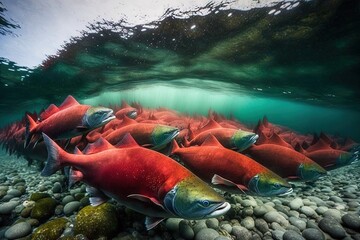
43,209
37,196
50,230
96,222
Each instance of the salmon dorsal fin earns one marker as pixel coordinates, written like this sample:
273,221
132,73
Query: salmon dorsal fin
315,139
152,117
319,145
100,145
211,141
124,104
299,148
276,139
127,142
263,139
69,102
210,125
265,121
259,127
191,134
174,147
305,145
48,112
325,138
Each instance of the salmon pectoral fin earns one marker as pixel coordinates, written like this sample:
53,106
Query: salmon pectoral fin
151,222
144,198
218,180
97,197
74,176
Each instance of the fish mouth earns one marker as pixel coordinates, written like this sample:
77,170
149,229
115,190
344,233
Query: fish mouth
171,136
253,139
108,117
220,210
290,190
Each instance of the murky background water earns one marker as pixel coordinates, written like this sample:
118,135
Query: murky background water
295,61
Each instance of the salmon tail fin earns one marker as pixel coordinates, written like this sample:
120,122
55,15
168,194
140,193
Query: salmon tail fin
53,163
30,125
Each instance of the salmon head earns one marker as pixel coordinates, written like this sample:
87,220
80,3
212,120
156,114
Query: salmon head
269,184
162,135
310,171
96,117
244,139
346,158
192,198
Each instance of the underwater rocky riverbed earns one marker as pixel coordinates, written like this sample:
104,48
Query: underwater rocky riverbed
35,207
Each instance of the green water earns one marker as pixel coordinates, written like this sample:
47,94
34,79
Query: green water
300,67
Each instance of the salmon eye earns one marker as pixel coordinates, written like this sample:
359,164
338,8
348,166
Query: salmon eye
205,203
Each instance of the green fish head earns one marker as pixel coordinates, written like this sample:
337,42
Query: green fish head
162,134
346,158
269,184
243,139
97,116
310,171
194,199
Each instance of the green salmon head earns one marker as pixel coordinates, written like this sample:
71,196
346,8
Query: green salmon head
269,184
243,139
310,171
162,134
194,199
346,158
97,117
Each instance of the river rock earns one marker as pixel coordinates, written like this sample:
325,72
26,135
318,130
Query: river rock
212,223
275,216
227,227
8,207
277,234
313,234
332,227
296,203
292,235
71,207
260,211
248,223
14,192
18,230
261,225
333,213
336,199
300,224
206,234
308,211
67,199
57,187
241,233
185,230
172,224
351,221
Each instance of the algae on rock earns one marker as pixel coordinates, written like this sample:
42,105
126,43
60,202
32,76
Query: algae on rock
96,222
51,230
